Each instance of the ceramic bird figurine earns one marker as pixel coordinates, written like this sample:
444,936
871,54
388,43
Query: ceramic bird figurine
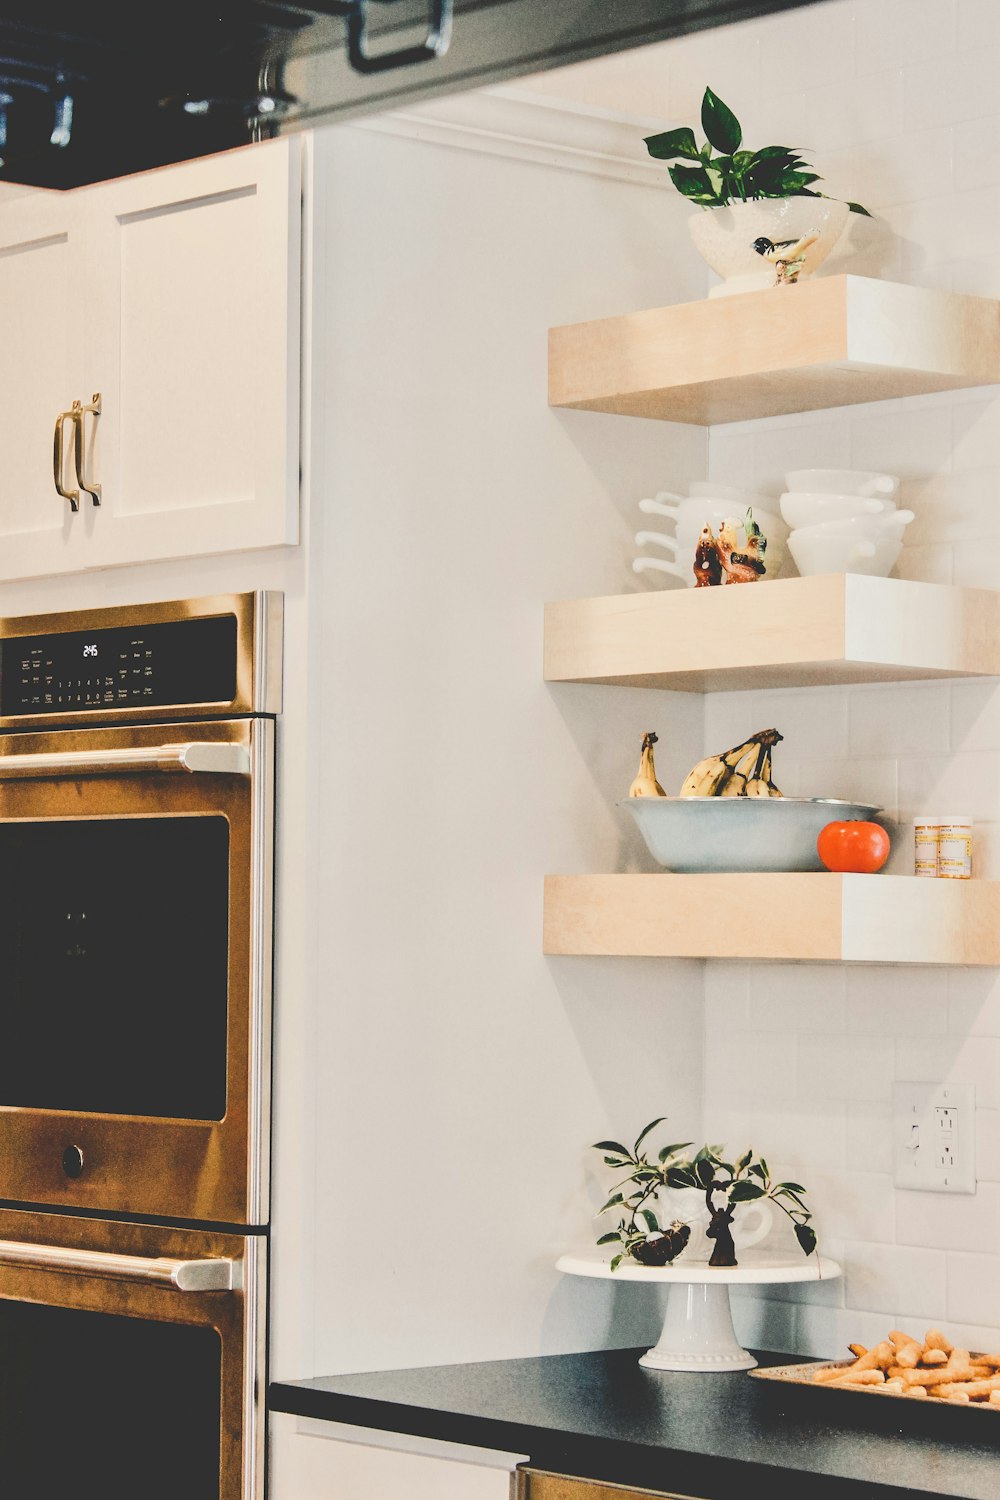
741,564
787,256
707,563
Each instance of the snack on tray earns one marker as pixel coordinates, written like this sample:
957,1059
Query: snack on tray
905,1366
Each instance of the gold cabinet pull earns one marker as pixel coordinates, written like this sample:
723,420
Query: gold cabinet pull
89,486
59,455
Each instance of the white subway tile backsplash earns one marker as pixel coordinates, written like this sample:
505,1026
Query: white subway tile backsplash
899,1277
842,1067
896,102
948,1221
889,1000
797,997
973,1289
869,1137
952,1059
913,719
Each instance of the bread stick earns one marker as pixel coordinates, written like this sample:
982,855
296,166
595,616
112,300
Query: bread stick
857,1350
931,1357
971,1388
935,1339
908,1349
862,1378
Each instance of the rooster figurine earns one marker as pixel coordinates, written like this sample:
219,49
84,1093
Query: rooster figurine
746,564
787,256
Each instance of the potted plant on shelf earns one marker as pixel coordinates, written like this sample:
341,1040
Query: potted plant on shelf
640,1234
766,222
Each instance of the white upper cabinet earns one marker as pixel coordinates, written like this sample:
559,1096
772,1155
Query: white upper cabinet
172,300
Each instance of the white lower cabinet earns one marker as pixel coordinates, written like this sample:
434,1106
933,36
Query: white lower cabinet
313,1460
174,296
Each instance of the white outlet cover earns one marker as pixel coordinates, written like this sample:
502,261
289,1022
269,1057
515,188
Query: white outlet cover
934,1137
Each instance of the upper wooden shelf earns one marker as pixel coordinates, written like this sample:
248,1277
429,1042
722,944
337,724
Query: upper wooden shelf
789,632
831,341
809,917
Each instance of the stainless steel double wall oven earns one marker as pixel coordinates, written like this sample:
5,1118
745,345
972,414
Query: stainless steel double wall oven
136,854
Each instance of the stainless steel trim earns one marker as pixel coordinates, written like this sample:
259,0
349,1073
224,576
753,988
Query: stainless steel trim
184,1275
254,1367
268,647
262,737
214,759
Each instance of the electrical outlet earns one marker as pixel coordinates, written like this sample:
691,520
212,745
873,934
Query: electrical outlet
934,1136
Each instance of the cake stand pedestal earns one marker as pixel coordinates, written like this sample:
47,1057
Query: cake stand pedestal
698,1331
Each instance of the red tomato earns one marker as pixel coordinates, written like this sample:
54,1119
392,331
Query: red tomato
861,848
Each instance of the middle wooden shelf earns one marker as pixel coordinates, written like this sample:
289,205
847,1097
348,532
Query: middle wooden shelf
788,632
807,916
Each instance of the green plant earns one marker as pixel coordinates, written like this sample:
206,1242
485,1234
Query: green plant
733,175
744,1181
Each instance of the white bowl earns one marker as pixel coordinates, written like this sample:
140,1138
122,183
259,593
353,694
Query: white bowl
843,482
893,523
800,508
843,554
696,834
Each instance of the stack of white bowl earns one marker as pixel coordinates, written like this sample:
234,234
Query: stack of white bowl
844,521
706,504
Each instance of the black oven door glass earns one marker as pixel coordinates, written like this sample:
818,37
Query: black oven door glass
97,1405
114,950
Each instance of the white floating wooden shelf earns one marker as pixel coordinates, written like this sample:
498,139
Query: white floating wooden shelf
811,917
844,627
830,341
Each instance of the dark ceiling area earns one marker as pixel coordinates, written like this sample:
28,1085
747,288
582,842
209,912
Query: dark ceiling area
101,89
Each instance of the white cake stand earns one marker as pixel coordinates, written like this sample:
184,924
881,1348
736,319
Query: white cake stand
698,1331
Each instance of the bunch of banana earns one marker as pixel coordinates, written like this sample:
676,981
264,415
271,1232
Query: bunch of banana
743,771
645,783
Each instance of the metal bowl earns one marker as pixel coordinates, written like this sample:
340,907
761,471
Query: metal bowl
696,834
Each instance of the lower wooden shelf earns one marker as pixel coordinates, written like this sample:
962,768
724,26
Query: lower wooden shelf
808,917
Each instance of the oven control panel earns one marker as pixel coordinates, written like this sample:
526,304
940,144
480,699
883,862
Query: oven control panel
127,667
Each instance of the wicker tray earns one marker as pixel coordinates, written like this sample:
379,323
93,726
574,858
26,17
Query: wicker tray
802,1375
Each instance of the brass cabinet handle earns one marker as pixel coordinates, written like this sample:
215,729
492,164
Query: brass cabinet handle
89,486
183,1275
59,457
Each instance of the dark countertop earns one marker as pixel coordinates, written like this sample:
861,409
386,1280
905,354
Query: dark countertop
602,1416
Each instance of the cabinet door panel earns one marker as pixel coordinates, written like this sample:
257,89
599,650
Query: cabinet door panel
197,356
39,287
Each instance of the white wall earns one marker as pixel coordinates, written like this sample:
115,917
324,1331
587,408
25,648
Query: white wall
459,1074
896,101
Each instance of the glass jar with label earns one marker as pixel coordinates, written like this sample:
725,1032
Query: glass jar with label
954,848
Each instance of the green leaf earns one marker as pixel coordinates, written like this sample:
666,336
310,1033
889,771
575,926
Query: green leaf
796,1187
745,1161
612,1202
614,1161
694,183
705,1170
673,143
672,1150
611,1146
616,1261
763,1164
608,1239
720,124
745,1192
651,1220
644,1132
645,1176
806,1238
757,1170
857,209
769,152
681,1177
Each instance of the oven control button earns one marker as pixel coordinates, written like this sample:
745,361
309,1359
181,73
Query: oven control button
72,1161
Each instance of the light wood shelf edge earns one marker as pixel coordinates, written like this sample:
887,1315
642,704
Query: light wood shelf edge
787,632
830,341
806,917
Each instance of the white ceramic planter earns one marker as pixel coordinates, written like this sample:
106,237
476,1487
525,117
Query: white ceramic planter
724,237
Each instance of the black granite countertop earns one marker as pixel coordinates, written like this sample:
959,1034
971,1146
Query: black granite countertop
602,1416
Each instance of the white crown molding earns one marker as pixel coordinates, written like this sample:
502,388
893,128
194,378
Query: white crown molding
517,123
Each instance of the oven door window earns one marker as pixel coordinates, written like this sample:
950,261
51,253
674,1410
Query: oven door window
114,947
101,1405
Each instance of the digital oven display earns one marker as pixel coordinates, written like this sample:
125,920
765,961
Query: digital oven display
145,666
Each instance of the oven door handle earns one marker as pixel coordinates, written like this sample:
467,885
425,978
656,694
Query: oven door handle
183,1275
204,756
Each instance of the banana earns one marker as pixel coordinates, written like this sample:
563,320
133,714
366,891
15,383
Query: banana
645,783
743,771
